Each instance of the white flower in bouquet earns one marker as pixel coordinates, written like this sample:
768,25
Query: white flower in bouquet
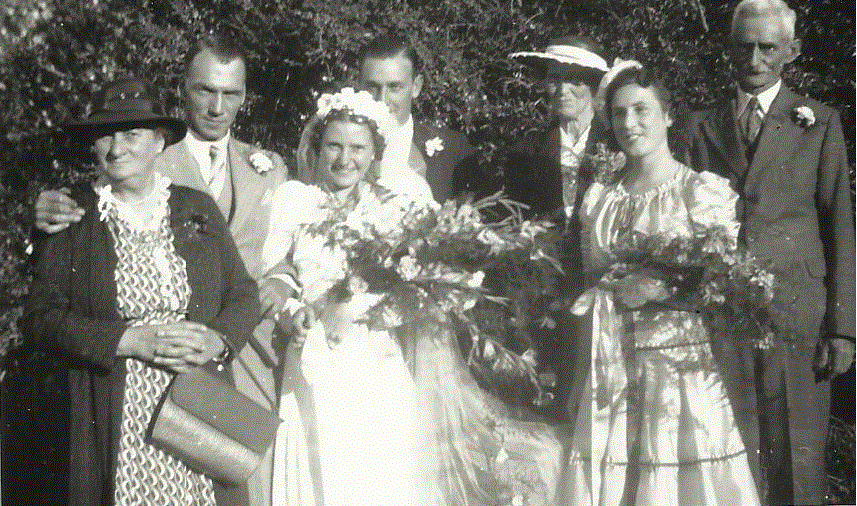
476,279
408,268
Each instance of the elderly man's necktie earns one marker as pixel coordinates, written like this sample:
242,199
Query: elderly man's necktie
752,120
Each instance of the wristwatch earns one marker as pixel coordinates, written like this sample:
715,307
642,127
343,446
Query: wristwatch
223,357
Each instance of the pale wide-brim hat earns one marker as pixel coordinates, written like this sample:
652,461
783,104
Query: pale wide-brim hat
562,51
128,102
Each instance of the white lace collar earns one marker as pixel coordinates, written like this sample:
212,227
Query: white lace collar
143,214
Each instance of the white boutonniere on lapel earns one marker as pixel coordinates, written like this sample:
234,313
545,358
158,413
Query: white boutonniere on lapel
434,146
261,162
803,116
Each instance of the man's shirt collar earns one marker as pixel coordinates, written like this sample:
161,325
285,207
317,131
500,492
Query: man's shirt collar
766,98
200,150
398,147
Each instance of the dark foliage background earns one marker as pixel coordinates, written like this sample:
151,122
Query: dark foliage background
55,53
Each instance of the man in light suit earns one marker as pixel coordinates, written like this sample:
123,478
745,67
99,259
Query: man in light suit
785,156
241,178
390,71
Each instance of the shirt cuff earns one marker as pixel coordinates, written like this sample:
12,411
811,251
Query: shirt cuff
291,307
290,281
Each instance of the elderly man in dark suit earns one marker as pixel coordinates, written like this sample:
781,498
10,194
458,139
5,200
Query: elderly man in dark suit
785,156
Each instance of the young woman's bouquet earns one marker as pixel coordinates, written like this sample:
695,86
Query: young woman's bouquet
707,273
418,260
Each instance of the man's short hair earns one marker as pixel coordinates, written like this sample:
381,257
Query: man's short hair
390,45
753,8
224,47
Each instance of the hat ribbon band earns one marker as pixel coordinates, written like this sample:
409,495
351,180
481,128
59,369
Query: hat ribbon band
587,58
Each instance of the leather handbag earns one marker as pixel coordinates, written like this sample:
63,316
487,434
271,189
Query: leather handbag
212,427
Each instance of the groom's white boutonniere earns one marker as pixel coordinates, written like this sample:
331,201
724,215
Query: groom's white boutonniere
804,116
261,162
434,146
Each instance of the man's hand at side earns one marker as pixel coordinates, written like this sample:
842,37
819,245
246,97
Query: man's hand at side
55,210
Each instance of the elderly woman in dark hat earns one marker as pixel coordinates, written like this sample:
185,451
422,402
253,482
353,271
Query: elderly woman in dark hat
148,284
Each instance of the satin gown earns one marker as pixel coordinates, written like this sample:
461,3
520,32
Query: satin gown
367,425
656,425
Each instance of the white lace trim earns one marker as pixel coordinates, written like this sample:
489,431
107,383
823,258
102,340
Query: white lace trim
130,212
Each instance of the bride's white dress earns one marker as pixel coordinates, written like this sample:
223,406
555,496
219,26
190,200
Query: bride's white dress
363,427
356,378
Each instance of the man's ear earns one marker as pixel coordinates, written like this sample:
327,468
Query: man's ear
417,87
795,47
183,92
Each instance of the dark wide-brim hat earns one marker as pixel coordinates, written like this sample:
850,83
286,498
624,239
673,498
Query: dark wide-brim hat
566,51
127,101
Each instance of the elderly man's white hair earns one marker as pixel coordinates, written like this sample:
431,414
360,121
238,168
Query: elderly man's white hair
753,8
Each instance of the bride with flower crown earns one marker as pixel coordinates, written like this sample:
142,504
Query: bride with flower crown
366,423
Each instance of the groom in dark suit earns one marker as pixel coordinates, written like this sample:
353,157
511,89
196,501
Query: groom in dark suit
785,156
390,70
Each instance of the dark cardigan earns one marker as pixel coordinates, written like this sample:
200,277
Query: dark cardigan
72,309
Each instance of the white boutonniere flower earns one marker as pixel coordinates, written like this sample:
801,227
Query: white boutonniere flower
261,162
804,116
434,146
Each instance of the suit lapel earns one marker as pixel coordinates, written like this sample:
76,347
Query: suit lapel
777,133
422,133
180,166
721,129
246,185
550,147
239,177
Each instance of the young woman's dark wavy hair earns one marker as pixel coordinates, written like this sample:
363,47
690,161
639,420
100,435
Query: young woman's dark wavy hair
647,78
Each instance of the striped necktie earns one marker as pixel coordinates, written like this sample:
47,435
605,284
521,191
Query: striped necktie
213,151
752,121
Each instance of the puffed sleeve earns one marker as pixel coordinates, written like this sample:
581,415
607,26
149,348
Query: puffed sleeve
405,181
294,203
711,201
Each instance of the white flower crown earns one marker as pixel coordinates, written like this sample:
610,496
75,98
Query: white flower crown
357,103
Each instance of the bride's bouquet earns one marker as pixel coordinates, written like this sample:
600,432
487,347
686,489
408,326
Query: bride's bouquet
708,273
419,260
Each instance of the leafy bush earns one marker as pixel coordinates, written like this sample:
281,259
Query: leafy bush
55,53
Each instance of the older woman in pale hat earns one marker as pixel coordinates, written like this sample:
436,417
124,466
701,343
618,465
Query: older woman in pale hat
147,284
547,169
550,170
